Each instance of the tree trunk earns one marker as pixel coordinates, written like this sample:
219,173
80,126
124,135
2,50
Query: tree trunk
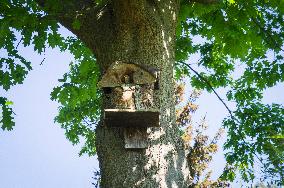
140,32
143,32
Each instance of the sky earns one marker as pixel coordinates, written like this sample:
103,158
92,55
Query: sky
37,154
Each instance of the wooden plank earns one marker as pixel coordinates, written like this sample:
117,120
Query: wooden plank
131,118
135,138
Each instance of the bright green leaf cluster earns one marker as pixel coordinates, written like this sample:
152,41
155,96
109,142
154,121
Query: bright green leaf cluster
79,97
252,130
6,114
23,21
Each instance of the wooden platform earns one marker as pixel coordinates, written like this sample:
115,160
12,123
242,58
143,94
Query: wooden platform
131,118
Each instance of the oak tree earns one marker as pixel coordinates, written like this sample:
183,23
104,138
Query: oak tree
160,34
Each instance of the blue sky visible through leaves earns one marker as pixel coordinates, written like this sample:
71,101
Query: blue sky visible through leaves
36,153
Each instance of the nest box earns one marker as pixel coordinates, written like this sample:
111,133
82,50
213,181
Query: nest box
130,89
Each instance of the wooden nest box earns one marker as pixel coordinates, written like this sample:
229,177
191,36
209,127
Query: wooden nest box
129,89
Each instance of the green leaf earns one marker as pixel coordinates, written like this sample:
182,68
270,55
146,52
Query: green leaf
7,103
6,115
76,24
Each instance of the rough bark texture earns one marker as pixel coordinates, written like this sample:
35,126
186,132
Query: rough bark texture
143,33
140,32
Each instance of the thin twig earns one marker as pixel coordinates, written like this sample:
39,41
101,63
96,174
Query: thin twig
89,124
19,43
42,61
210,86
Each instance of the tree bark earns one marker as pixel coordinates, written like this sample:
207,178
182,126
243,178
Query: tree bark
143,32
140,32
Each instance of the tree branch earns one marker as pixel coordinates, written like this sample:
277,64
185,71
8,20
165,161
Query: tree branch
210,86
91,17
19,43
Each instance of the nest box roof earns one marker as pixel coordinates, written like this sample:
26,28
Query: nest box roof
119,74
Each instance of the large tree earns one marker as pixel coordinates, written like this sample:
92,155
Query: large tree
160,34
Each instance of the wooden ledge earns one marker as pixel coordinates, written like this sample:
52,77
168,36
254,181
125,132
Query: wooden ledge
131,118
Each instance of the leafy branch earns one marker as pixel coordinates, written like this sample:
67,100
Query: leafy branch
218,96
265,32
